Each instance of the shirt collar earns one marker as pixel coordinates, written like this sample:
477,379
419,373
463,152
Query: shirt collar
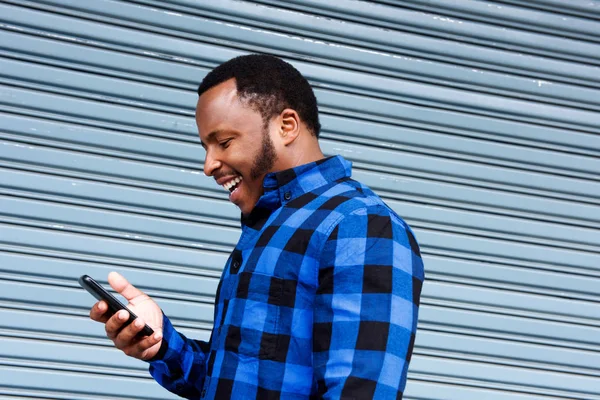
283,186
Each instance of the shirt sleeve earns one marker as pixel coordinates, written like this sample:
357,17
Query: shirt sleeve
180,364
366,307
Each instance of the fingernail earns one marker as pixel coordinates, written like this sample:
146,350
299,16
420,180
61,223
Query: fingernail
157,335
123,315
139,323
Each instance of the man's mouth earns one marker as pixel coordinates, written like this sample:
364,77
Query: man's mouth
233,184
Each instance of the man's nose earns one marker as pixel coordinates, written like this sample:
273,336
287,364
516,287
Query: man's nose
211,164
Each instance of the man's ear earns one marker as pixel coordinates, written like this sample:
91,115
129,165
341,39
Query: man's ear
289,128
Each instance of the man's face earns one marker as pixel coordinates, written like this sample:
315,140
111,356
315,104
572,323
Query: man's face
239,148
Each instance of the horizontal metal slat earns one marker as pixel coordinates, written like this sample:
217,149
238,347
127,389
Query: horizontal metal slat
462,218
507,249
76,191
117,224
66,298
108,358
407,43
460,28
505,178
443,74
103,360
499,202
52,325
222,236
505,301
95,167
65,272
54,240
443,291
63,328
522,329
14,123
501,274
81,328
79,384
89,111
587,9
418,360
130,226
105,195
114,62
172,175
99,248
507,352
415,389
486,149
167,150
440,119
516,303
140,67
142,146
468,124
502,178
132,41
516,16
423,387
490,225
108,89
462,100
528,380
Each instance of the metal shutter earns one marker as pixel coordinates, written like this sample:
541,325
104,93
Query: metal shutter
477,121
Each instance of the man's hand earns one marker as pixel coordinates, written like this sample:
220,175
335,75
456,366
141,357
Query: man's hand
147,311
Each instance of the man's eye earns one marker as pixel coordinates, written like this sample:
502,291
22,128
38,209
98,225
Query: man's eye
225,144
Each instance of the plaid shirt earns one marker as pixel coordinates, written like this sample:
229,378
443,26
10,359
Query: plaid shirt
319,299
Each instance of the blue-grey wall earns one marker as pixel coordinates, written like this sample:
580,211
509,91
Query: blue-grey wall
478,121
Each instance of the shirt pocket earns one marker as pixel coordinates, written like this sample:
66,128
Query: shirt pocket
253,316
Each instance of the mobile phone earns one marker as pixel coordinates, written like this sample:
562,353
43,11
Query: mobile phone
114,305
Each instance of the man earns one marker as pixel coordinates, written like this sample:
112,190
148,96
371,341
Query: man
319,298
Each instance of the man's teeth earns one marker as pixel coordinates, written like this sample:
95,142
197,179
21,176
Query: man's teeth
232,183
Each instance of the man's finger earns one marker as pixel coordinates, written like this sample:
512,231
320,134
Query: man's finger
115,323
135,345
121,285
144,347
99,312
127,336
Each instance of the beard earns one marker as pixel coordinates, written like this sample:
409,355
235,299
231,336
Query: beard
265,158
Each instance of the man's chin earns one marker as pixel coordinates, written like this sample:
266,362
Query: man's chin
241,204
246,206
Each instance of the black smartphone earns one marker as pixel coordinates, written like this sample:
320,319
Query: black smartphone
114,304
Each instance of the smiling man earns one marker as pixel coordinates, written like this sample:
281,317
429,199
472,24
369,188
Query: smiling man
319,298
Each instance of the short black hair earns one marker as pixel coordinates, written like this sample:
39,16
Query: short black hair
269,85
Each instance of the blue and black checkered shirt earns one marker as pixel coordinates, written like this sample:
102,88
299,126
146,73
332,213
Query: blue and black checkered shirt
319,299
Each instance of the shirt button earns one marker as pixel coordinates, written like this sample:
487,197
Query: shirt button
236,261
287,195
203,393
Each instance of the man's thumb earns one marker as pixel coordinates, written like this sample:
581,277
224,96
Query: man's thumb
121,285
